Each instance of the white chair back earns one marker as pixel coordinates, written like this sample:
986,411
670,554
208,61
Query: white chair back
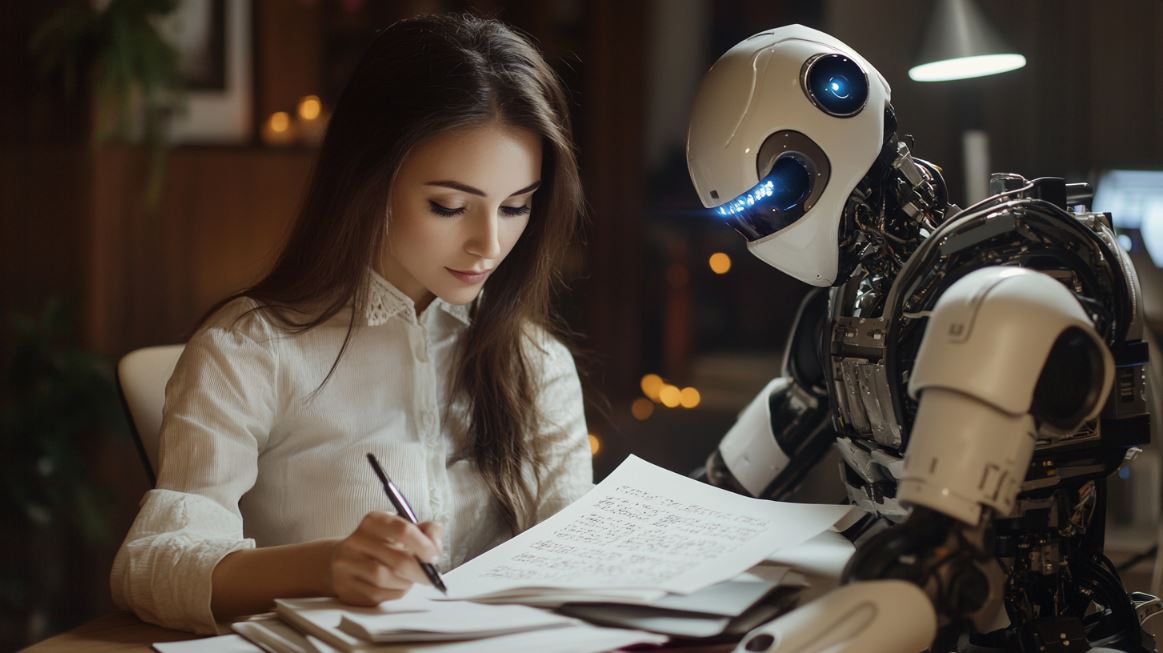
141,378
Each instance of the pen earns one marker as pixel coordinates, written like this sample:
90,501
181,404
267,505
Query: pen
405,511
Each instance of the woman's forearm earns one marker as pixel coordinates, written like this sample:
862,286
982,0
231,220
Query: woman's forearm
248,581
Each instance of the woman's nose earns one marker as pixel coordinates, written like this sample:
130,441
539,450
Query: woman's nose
485,238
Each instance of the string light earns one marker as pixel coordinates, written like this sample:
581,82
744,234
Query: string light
595,445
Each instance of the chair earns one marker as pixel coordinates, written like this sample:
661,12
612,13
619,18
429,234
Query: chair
141,383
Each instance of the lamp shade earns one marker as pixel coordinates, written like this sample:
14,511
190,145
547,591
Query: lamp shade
959,43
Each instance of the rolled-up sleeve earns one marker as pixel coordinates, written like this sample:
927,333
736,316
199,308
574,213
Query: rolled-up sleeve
221,404
563,441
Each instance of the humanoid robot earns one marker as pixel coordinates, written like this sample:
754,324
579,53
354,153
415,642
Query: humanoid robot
981,371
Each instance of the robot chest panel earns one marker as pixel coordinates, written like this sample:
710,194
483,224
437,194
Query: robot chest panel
862,396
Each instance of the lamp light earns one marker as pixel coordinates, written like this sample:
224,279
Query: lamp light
960,43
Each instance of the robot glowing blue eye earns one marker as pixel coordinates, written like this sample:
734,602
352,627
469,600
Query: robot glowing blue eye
838,87
835,84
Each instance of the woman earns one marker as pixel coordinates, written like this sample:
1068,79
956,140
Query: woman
407,316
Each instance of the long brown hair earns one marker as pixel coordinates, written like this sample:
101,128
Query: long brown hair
421,77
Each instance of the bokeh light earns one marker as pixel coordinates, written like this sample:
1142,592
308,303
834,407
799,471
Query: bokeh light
310,107
641,409
689,398
720,263
670,396
651,384
280,121
595,444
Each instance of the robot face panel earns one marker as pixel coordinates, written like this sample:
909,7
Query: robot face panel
793,173
783,128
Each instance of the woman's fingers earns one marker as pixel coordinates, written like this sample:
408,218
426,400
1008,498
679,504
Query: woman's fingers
378,561
371,570
358,591
435,532
401,562
399,532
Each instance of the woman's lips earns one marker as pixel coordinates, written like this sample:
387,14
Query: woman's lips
468,276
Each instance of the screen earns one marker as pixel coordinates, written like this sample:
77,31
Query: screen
1134,198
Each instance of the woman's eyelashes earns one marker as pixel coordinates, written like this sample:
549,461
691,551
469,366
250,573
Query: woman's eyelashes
440,209
448,212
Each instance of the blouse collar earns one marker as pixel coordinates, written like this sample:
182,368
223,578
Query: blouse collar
385,301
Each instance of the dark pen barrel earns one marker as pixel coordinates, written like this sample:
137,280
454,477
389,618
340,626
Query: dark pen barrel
400,503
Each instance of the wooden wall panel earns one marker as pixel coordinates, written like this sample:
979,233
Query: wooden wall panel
220,223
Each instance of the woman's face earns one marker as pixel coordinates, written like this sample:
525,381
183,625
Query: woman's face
459,203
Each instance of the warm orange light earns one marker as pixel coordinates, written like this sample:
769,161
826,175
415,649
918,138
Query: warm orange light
310,107
670,396
595,445
641,409
689,397
651,384
720,263
280,121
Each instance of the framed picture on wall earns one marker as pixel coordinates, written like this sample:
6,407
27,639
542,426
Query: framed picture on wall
215,61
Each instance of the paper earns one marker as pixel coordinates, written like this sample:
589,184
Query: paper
643,527
582,638
450,621
676,624
274,635
727,599
220,644
823,555
319,617
550,598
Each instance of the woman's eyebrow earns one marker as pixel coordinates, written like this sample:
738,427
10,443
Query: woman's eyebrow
456,185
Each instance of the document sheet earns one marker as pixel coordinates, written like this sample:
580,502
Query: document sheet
643,527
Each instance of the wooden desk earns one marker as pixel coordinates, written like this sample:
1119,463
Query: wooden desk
121,632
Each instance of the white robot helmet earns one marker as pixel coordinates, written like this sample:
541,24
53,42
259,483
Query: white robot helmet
783,128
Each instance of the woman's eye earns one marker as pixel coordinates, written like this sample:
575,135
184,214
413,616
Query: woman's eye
442,210
516,210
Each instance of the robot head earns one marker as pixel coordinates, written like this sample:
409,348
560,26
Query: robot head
783,128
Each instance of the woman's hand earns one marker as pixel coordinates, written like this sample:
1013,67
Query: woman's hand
377,562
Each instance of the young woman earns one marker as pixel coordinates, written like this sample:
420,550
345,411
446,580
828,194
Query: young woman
407,316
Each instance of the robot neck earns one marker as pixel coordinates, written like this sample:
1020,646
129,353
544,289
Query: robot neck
893,209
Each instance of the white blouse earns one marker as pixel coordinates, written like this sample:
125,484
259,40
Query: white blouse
248,457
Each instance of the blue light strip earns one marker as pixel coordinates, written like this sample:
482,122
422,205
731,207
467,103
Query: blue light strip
761,191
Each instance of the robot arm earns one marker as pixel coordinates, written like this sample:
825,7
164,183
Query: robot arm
1009,357
785,430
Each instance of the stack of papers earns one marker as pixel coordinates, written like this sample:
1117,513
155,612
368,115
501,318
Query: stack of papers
641,533
452,621
646,555
327,624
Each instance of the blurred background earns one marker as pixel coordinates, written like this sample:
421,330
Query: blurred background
153,153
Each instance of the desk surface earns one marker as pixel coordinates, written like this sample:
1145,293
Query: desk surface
121,632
